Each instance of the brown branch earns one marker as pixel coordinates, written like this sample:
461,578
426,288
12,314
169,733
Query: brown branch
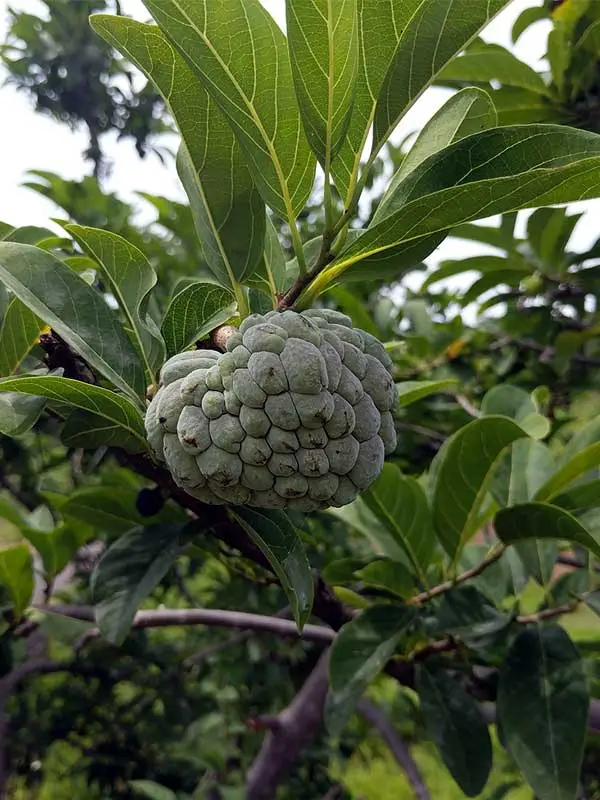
205,616
571,561
232,641
467,406
444,587
549,613
294,730
376,717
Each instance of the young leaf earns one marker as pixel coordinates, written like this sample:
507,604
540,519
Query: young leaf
129,571
542,707
411,391
500,170
491,62
400,504
109,405
323,45
131,280
359,653
75,311
461,474
437,31
273,532
542,521
228,211
16,575
19,334
193,313
468,111
254,90
456,725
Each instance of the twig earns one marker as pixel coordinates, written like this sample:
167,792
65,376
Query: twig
422,430
548,352
444,587
571,561
296,727
549,613
204,616
464,403
376,717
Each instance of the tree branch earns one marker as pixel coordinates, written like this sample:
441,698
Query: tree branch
444,587
205,616
376,717
294,729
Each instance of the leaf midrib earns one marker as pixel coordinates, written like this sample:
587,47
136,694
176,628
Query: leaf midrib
251,109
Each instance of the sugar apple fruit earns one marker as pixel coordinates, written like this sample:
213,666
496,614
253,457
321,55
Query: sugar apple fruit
296,414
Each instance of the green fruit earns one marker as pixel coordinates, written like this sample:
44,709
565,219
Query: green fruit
296,414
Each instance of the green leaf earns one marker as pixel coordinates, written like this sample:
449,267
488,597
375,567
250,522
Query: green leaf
254,90
273,532
484,64
75,311
579,465
359,653
411,391
380,26
152,790
461,474
520,473
359,517
542,707
129,571
436,32
28,234
18,412
527,18
542,521
131,280
90,431
109,405
323,45
16,575
512,277
193,313
19,334
399,502
580,498
457,726
56,547
500,170
482,264
468,111
270,276
109,510
512,401
228,211
387,574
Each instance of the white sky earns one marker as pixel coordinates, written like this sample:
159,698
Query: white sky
29,140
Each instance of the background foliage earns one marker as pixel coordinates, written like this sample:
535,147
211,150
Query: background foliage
474,555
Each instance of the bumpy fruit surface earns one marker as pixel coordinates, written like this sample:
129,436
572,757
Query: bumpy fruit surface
296,414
